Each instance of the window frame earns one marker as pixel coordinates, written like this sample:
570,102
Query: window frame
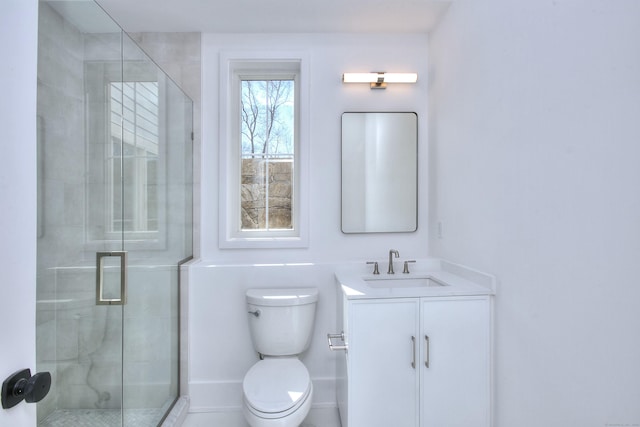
234,67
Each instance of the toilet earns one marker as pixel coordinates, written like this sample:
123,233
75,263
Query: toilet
278,390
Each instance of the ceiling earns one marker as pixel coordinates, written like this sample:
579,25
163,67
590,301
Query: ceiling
276,16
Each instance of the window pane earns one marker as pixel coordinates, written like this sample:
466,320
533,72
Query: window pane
267,146
253,187
267,116
280,179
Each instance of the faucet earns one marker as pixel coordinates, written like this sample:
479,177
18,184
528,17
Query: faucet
391,253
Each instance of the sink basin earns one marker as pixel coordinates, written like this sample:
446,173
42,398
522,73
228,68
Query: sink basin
402,282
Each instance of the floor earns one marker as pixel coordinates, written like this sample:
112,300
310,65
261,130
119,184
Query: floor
102,418
317,418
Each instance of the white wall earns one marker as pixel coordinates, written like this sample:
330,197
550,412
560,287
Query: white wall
535,171
331,55
18,50
220,350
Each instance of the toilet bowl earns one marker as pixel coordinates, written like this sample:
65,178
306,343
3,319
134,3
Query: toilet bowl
277,393
277,390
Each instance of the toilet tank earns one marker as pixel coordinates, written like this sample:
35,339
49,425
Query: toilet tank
281,320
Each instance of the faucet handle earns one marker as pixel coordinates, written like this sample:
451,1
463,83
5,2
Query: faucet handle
406,266
375,266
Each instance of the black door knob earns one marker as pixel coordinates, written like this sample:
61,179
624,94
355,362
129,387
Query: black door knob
37,387
21,385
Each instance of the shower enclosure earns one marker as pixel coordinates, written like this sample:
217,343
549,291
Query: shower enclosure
114,222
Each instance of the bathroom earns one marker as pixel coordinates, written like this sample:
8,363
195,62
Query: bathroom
527,171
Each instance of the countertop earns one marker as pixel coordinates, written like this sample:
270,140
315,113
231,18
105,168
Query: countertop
458,280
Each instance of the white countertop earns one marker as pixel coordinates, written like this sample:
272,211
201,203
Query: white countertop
458,280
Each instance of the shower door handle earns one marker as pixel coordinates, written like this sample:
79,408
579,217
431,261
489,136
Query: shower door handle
121,295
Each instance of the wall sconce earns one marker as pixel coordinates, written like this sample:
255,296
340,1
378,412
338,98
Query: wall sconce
379,80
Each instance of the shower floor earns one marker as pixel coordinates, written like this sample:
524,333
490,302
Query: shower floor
102,418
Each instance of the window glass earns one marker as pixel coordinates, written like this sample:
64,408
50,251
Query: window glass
267,154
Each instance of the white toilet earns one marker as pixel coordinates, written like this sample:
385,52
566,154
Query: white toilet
277,389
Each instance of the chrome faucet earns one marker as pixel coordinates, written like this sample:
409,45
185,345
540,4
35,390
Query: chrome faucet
391,253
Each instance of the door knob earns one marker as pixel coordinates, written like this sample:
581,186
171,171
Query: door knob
22,386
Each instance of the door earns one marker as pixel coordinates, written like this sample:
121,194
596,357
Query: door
79,307
18,35
156,217
383,363
455,362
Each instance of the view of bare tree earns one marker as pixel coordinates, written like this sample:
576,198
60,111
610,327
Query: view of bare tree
267,154
264,120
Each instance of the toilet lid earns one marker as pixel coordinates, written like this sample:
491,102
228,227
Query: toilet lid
276,385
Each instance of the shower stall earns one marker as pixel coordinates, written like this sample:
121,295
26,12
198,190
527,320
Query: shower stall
114,222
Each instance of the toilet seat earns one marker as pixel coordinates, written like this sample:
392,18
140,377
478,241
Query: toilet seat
275,388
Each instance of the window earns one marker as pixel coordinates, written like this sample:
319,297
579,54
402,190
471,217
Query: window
267,112
263,153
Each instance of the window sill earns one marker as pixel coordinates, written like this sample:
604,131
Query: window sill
264,243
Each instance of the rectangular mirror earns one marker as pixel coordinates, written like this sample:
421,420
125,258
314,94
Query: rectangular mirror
379,172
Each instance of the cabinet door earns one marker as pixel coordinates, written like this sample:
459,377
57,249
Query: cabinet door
455,390
383,384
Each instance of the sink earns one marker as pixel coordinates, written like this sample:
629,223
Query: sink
402,282
428,278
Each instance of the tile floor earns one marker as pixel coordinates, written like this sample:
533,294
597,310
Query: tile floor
327,417
101,417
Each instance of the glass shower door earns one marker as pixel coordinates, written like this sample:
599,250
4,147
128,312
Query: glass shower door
79,341
157,223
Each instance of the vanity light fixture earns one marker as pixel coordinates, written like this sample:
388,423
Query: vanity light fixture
379,80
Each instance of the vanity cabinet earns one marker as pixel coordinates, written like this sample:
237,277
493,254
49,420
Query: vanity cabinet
415,362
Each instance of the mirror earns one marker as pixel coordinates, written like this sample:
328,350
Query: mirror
379,172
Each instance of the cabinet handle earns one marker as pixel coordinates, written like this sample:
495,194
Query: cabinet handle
333,347
413,344
426,351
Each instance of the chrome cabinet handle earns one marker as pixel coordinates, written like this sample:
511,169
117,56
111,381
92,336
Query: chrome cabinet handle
334,347
100,299
413,344
426,351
